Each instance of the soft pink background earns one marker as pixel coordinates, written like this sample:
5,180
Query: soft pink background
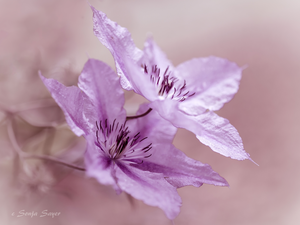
57,38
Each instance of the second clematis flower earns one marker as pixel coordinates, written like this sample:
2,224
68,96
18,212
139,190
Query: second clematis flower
134,155
185,95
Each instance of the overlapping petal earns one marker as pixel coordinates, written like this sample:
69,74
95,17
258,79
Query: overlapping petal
73,102
213,80
98,165
93,100
151,188
154,56
204,84
178,169
100,83
211,129
148,186
152,125
152,177
118,40
140,81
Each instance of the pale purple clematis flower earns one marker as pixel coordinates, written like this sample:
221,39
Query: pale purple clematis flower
185,95
136,155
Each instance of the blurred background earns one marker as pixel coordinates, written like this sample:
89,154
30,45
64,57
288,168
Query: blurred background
57,38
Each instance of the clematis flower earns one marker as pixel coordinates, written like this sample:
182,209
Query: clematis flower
185,95
136,155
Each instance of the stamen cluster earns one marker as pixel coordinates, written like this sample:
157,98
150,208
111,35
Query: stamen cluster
166,83
115,142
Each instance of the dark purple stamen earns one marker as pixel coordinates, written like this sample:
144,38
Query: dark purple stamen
143,139
167,83
148,150
147,146
101,127
123,142
97,135
137,134
113,124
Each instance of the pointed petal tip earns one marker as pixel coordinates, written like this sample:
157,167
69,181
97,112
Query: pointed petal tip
244,67
44,79
92,7
247,157
223,183
41,76
95,11
89,3
149,37
253,161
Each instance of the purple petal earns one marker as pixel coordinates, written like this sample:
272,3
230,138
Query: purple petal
149,187
100,83
73,103
154,56
119,42
97,164
180,169
213,80
211,129
141,82
152,126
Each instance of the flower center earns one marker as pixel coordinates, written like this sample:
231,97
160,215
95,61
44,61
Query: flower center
168,86
114,141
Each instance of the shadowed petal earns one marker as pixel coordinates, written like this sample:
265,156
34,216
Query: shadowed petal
211,129
118,40
152,126
100,83
97,164
149,187
153,55
179,169
140,81
213,80
74,104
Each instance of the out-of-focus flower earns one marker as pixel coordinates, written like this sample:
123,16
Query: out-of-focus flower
186,95
135,156
35,179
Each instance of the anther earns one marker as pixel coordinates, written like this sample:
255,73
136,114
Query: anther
166,71
143,139
101,127
113,124
147,156
192,94
148,150
147,146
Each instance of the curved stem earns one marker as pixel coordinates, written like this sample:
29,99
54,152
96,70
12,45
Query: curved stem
52,159
12,137
18,150
138,116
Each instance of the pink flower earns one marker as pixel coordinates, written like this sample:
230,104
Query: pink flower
135,156
185,95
